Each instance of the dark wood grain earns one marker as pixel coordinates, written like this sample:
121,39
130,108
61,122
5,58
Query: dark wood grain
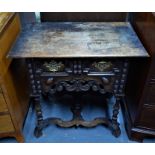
75,39
140,103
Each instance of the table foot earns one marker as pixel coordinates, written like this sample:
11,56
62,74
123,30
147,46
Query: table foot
116,130
38,132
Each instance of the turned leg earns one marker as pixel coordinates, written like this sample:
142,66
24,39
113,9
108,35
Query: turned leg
39,126
115,125
76,110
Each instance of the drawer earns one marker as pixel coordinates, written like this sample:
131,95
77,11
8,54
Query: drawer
147,117
7,38
103,75
3,106
6,124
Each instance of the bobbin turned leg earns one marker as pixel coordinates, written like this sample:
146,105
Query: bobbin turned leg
39,126
36,94
115,125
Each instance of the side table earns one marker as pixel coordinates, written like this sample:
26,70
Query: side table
75,58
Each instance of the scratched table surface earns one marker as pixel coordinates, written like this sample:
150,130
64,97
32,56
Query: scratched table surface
78,39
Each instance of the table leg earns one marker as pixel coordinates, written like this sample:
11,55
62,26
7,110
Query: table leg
39,126
76,109
115,125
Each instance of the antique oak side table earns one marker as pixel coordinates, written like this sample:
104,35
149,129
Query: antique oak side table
75,58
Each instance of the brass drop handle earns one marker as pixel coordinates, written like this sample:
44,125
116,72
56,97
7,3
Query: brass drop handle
49,81
105,80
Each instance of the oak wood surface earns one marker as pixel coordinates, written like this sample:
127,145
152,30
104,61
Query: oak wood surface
14,98
5,19
6,41
6,124
3,106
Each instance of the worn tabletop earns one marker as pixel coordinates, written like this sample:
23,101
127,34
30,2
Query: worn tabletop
74,39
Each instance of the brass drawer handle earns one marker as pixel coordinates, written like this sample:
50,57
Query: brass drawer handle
102,66
53,66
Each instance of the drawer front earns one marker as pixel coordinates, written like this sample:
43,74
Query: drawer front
7,38
6,124
147,117
99,75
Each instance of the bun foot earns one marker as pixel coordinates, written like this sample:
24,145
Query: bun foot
38,132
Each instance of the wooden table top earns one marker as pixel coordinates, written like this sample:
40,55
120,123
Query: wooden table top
78,40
